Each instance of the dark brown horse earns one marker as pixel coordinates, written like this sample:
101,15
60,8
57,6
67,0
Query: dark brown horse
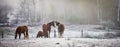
49,26
22,29
61,28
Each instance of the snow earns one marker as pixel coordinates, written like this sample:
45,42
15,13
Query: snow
61,42
71,38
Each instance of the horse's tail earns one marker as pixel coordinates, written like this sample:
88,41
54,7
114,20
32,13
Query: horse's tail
27,35
26,29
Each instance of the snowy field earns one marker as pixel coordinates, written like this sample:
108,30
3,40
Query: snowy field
71,38
60,42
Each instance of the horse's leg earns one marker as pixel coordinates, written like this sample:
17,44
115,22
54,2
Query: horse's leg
49,33
45,36
19,35
41,36
37,35
24,35
60,34
54,34
15,35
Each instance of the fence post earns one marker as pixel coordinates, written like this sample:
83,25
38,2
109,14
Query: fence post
82,33
2,34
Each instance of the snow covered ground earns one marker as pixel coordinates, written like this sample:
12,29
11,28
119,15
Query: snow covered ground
71,38
60,42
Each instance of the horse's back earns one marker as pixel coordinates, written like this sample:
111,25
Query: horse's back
22,29
25,27
40,34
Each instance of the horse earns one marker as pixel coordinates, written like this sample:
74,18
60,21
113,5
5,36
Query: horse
49,26
46,28
44,33
61,28
22,29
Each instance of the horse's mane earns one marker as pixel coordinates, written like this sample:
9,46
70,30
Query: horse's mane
57,23
51,23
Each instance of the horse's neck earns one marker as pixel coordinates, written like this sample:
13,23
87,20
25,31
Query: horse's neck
49,25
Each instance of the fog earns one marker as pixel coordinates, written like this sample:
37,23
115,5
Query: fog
86,22
66,11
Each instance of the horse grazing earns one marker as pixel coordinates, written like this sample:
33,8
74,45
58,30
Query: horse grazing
22,29
61,28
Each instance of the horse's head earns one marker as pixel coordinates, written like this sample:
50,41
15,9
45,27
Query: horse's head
57,23
52,23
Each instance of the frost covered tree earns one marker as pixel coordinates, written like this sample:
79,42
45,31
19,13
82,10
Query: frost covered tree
27,13
4,10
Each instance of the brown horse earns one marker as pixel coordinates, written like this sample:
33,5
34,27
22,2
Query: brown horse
44,33
61,28
22,29
49,26
46,28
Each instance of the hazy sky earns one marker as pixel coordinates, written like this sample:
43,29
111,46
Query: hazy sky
80,9
8,2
